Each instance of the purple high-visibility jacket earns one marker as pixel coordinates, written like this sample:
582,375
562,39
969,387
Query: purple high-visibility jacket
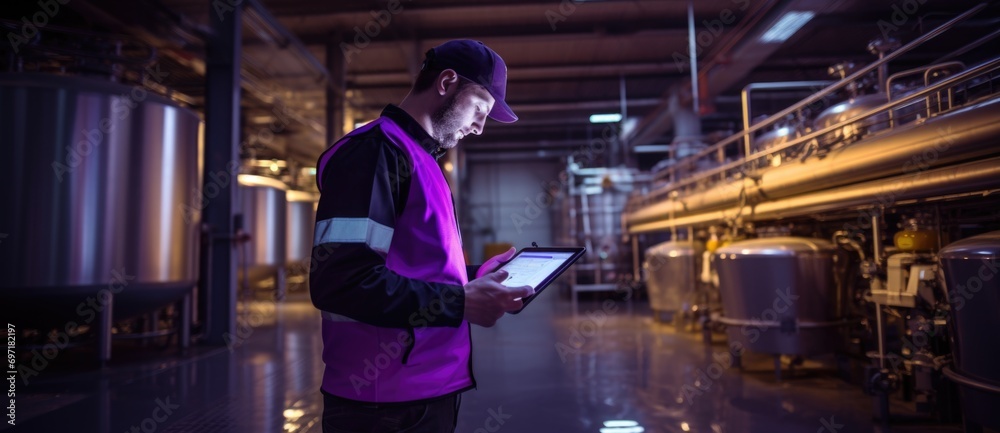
390,283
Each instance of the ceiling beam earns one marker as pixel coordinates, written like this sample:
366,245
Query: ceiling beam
530,73
516,33
312,8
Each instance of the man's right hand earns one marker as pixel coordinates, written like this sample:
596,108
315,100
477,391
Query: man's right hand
486,300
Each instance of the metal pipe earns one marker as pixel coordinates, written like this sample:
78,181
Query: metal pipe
776,324
693,57
881,336
969,47
951,138
877,238
968,178
104,336
623,110
969,382
847,80
781,85
258,11
986,67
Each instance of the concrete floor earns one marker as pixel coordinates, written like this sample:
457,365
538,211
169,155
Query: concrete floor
548,369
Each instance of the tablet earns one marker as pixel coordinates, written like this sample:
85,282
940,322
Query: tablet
538,267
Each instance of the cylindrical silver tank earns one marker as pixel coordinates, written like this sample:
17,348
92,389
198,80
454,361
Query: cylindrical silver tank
598,207
301,222
970,271
846,110
671,271
101,192
779,295
265,213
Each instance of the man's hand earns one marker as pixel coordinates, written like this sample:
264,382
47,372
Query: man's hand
486,300
494,262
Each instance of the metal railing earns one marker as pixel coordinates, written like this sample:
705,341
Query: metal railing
748,133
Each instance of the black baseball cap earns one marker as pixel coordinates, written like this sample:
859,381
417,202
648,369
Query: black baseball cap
475,62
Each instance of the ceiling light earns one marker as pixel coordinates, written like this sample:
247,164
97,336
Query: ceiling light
620,423
636,429
605,118
786,26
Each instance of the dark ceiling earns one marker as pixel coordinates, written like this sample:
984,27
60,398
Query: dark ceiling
567,59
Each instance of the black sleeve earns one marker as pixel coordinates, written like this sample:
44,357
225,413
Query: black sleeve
364,188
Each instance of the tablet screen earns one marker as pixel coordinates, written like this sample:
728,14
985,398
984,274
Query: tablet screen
538,267
531,269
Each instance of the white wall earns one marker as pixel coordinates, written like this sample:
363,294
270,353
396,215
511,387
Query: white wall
505,201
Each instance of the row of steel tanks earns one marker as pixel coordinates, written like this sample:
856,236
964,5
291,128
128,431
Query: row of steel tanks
278,222
778,294
782,296
105,195
909,292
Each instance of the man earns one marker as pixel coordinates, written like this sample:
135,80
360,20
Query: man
395,297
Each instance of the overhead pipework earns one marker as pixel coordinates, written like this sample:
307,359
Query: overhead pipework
834,154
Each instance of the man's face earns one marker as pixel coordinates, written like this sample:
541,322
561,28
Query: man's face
462,113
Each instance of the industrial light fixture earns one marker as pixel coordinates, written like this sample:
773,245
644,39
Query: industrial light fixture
605,118
622,426
786,26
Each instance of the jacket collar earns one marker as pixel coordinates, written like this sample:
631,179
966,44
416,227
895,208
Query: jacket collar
414,130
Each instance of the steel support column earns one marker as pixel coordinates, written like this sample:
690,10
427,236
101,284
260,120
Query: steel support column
220,190
336,98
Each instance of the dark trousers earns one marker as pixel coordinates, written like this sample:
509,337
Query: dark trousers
346,416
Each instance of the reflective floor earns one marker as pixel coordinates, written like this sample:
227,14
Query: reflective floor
599,366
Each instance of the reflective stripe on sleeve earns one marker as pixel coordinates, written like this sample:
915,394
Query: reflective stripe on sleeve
353,230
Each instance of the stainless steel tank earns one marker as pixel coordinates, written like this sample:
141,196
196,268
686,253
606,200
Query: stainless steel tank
265,214
599,204
301,222
972,282
671,270
779,295
849,109
101,192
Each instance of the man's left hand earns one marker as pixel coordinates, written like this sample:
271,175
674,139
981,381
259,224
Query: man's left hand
495,262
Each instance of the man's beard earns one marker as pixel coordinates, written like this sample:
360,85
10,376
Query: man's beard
446,122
